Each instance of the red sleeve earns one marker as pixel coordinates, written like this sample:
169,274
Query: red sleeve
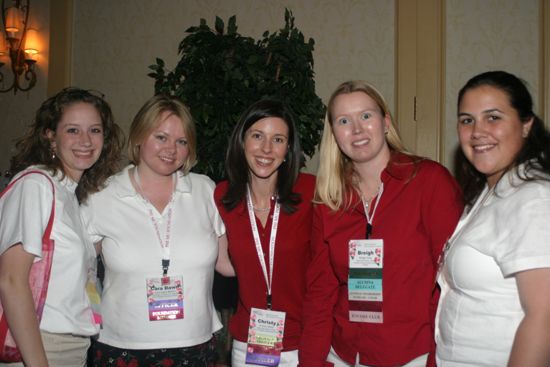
320,298
442,206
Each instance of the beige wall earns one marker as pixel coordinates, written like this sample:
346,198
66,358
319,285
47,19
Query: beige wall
488,35
116,41
113,42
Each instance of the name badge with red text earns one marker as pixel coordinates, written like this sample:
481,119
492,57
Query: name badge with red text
165,298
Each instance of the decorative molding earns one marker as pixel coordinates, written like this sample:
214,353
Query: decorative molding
544,63
61,30
420,79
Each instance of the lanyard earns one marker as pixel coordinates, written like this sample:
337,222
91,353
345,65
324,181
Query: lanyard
370,218
259,250
164,245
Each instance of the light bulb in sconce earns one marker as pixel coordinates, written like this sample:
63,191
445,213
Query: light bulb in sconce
3,49
32,44
19,47
13,20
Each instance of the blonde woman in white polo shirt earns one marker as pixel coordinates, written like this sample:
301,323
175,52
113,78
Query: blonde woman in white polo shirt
494,308
159,231
74,145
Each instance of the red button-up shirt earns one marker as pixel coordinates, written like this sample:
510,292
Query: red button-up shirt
292,254
418,211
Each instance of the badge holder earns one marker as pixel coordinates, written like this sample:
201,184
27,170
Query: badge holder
265,337
366,259
165,296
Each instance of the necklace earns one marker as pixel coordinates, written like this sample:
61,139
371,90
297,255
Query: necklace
262,209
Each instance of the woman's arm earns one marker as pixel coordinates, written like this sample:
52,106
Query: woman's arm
17,301
532,341
223,264
319,301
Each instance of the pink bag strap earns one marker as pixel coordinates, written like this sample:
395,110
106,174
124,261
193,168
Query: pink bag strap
8,349
48,231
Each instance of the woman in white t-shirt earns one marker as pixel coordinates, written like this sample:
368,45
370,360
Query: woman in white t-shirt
74,145
494,308
159,231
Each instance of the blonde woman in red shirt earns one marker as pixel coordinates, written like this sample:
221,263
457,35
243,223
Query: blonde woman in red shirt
382,218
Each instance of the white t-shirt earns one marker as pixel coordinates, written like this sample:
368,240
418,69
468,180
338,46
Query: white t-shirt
479,309
131,251
24,213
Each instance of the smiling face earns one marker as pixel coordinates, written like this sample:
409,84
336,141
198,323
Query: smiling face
490,131
78,139
165,149
359,128
265,147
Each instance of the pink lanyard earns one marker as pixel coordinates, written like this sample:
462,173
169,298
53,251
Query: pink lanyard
164,245
259,250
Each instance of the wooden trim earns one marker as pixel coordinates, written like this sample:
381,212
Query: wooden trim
419,76
443,86
405,73
430,78
544,62
61,30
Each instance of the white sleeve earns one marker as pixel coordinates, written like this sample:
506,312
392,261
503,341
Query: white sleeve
87,213
212,209
24,213
528,243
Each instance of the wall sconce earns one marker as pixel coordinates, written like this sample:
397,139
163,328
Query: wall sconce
19,45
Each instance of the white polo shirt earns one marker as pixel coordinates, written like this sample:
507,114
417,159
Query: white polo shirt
24,213
479,309
119,217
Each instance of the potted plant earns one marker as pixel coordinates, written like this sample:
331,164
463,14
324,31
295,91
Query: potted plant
221,73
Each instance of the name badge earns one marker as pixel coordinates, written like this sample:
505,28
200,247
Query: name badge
265,337
165,298
365,296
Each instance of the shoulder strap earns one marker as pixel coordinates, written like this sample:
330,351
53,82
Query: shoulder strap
48,231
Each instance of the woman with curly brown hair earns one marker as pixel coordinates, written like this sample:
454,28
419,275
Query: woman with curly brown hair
69,151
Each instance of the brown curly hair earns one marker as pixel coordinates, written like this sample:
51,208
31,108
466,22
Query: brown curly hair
34,147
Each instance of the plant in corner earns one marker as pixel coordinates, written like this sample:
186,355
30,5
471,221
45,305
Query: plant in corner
221,73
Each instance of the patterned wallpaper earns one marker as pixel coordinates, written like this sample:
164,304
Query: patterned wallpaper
488,35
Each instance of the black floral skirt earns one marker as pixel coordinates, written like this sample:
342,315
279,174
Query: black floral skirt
103,355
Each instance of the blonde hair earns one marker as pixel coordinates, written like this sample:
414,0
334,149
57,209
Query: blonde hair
149,117
333,176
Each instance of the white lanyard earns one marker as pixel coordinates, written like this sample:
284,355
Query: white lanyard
259,250
370,218
164,245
